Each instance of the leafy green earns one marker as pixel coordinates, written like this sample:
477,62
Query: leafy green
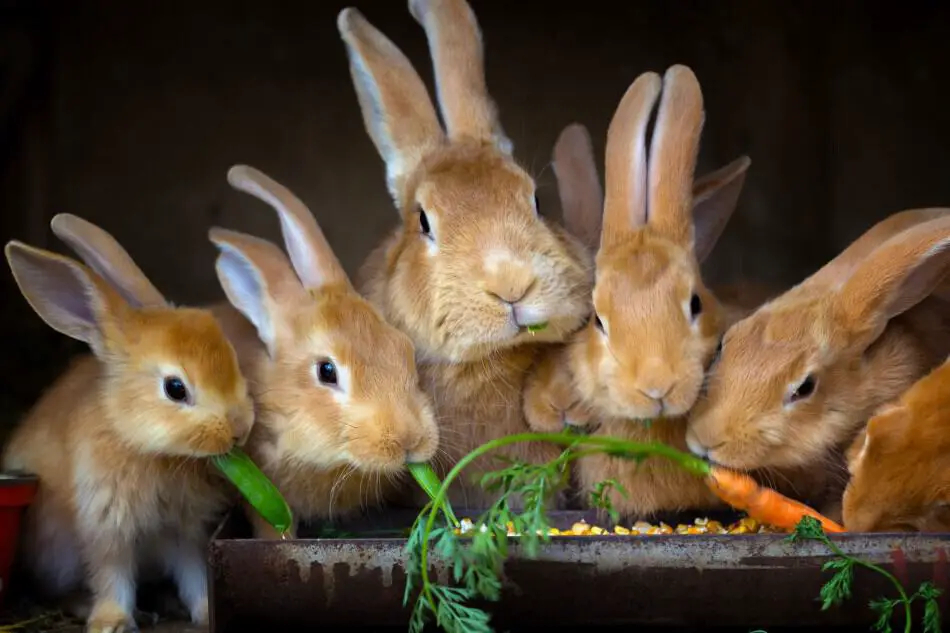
838,587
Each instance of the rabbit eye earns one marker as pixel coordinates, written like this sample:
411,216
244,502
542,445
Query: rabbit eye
326,372
599,324
424,224
175,389
695,306
805,389
537,205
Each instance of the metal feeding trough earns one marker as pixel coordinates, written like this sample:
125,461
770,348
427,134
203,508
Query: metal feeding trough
755,581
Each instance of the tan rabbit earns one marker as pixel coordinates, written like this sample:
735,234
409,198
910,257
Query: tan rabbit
797,379
656,325
117,440
473,268
340,411
900,463
340,407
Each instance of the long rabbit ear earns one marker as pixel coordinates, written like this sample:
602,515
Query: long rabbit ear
895,277
625,200
312,257
578,184
673,153
397,111
458,56
66,294
715,197
104,255
257,280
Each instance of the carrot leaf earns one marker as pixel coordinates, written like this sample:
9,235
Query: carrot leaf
838,587
600,497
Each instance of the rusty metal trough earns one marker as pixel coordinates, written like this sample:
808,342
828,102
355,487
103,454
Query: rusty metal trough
752,581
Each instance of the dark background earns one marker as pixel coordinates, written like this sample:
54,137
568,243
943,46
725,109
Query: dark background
130,113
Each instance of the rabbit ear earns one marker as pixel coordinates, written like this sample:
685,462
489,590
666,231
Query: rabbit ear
312,257
458,56
625,200
715,197
578,184
895,277
673,153
104,255
257,279
65,294
396,107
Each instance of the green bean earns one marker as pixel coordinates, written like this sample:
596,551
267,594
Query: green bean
259,491
429,481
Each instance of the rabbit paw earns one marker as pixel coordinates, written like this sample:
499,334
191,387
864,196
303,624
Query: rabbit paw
110,617
551,402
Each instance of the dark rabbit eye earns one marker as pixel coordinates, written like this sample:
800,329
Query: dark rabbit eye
326,372
424,223
695,306
537,204
175,389
598,323
805,389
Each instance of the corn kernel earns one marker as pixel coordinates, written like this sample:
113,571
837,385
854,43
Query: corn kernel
700,521
714,526
597,531
554,531
619,529
750,524
581,527
696,530
653,531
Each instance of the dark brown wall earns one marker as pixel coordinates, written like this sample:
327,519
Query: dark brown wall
130,114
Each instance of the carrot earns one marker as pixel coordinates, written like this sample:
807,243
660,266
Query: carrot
762,504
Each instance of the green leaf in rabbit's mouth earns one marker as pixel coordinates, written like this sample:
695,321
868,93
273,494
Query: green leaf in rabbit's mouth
536,327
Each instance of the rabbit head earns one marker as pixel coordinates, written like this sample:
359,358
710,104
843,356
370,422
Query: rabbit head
473,268
339,386
900,463
656,324
797,378
171,382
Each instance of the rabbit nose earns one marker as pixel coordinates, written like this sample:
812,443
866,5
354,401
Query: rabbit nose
508,279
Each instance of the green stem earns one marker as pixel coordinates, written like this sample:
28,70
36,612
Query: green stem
908,617
616,446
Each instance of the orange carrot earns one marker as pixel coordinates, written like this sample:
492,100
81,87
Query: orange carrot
762,504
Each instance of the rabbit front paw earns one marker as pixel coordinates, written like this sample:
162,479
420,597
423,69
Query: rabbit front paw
110,617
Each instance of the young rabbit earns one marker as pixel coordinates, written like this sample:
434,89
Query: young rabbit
899,463
473,268
117,441
340,410
798,378
656,325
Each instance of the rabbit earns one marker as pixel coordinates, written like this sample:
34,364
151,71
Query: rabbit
118,440
796,380
473,271
339,408
899,463
656,326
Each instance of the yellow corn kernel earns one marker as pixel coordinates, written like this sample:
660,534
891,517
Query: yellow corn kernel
619,529
696,530
665,529
653,531
702,522
581,527
597,530
554,531
715,526
681,529
750,524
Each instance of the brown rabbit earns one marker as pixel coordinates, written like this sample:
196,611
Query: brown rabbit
797,379
900,463
473,268
339,408
117,440
656,325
